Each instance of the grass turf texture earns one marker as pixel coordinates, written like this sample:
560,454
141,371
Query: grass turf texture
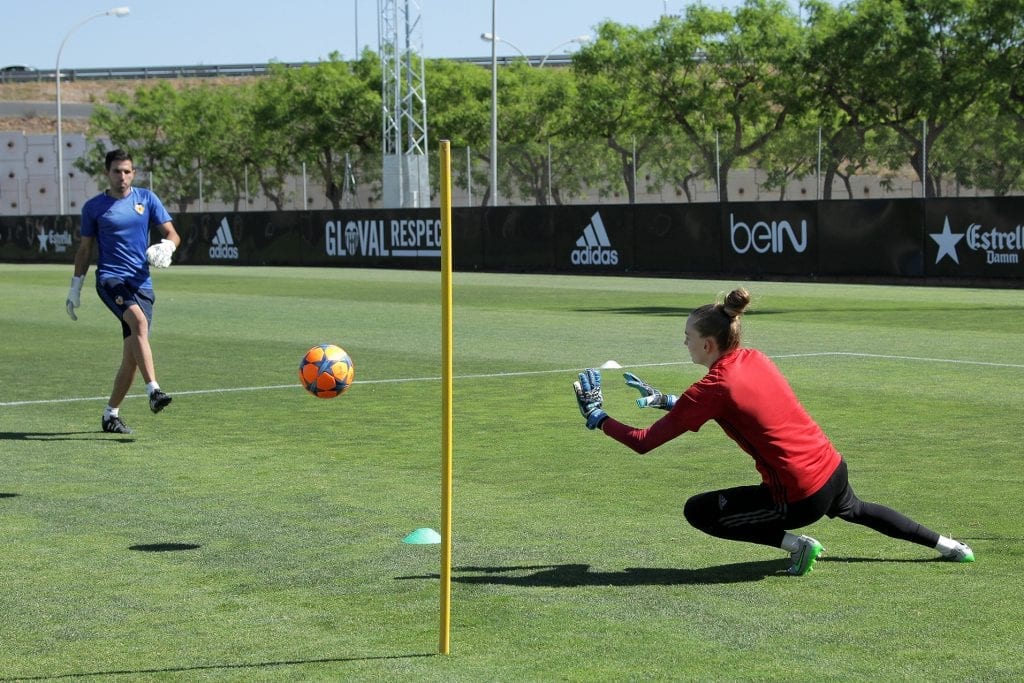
252,531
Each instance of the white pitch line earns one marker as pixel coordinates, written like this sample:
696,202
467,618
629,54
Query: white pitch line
495,375
914,358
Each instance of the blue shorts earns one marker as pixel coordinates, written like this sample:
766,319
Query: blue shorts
118,297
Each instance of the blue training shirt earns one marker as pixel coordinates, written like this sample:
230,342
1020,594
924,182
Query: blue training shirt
121,228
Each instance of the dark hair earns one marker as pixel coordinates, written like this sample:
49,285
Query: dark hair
116,155
721,321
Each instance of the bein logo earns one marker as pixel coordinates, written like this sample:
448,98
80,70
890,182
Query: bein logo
766,237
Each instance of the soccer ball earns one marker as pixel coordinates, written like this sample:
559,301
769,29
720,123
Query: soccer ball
326,371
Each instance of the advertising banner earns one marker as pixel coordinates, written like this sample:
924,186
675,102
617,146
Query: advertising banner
873,237
593,239
678,238
770,238
467,239
518,238
40,239
396,238
314,238
974,238
258,238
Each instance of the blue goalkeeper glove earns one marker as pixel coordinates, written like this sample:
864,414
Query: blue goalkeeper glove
589,398
649,396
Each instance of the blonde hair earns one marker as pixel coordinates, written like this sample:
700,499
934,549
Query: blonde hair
721,321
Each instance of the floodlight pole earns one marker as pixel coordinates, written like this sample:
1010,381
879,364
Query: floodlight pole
115,12
494,104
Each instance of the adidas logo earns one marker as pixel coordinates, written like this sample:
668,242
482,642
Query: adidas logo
593,248
222,246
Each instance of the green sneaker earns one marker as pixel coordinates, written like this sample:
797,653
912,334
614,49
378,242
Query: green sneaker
961,553
804,557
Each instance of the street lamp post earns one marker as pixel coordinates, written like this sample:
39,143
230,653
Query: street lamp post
115,12
491,38
582,40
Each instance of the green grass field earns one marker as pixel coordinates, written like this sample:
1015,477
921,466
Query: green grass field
253,532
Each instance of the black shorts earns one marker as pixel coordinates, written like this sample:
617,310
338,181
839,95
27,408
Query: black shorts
119,297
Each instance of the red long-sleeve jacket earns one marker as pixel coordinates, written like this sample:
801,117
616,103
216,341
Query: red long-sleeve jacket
746,394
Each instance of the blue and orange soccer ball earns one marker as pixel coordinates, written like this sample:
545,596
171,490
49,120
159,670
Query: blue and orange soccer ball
326,371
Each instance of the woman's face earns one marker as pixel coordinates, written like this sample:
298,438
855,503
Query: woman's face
697,345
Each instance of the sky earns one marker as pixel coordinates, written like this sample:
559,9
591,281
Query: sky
210,32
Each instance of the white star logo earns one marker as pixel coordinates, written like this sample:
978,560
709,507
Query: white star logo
947,242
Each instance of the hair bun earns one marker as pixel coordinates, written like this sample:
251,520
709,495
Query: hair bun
736,302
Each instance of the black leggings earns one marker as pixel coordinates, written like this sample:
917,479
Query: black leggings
748,513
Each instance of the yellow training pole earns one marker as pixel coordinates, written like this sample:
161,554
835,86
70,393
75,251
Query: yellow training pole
446,394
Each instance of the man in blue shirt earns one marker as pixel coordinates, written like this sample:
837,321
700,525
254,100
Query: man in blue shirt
118,222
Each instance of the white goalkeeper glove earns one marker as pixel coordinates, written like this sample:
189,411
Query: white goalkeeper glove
159,254
74,299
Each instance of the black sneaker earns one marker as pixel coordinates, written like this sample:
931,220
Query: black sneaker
158,400
115,424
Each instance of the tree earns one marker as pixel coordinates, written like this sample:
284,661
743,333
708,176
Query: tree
216,124
614,105
913,66
459,111
536,119
728,82
888,83
149,124
327,114
982,149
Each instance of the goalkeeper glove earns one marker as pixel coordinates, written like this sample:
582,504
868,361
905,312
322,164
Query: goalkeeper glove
159,254
588,396
74,299
649,396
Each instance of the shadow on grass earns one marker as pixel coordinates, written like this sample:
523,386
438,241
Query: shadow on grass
61,436
163,547
672,311
574,575
887,560
9,495
213,667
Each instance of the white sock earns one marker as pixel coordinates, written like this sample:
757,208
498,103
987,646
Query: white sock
946,545
790,543
151,387
110,411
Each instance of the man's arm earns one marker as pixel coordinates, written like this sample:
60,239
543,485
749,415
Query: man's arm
82,258
170,233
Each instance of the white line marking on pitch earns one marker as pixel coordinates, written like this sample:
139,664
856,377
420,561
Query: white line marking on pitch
494,375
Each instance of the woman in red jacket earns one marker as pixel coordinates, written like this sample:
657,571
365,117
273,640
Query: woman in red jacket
803,476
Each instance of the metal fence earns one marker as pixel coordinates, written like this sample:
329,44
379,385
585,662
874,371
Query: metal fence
535,175
28,186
